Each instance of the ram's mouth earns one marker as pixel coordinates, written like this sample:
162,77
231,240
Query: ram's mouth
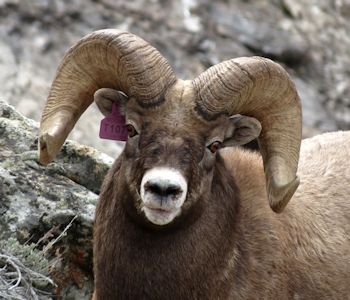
160,216
159,210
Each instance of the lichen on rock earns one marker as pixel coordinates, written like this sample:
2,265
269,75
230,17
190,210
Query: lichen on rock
38,203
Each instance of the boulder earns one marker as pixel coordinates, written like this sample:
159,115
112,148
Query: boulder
47,213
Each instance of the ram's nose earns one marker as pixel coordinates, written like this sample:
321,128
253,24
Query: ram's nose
163,191
163,188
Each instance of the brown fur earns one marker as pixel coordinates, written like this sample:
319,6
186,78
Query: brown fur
312,259
237,248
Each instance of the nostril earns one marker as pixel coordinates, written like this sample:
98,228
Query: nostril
153,188
163,190
173,190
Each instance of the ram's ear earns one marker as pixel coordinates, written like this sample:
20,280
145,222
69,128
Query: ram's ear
241,130
104,98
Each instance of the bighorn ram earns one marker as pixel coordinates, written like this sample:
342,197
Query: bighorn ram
178,219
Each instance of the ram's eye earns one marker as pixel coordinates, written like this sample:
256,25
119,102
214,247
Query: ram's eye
131,130
215,146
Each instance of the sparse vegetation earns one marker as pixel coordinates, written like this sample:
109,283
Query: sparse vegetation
26,270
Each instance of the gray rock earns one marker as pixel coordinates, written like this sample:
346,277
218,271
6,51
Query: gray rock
37,203
264,39
292,8
316,118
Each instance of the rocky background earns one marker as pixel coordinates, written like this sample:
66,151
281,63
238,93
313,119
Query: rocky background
46,214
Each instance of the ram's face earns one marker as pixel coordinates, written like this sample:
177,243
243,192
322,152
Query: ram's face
169,159
170,155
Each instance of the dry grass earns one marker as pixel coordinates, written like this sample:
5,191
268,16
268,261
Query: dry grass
25,269
20,282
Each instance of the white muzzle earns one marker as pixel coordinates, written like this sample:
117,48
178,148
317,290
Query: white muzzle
163,192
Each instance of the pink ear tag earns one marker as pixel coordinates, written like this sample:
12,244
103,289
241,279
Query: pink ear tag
113,126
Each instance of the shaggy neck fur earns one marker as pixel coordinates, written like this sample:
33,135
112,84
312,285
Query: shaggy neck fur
183,263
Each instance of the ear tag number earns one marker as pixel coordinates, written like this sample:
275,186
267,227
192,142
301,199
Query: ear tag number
113,126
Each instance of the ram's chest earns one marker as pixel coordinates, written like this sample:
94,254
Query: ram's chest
139,265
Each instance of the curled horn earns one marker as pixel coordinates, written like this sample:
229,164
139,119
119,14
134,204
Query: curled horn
262,89
103,59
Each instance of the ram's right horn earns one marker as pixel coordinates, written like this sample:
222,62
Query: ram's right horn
262,89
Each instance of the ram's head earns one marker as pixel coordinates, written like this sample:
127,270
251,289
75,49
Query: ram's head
176,127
